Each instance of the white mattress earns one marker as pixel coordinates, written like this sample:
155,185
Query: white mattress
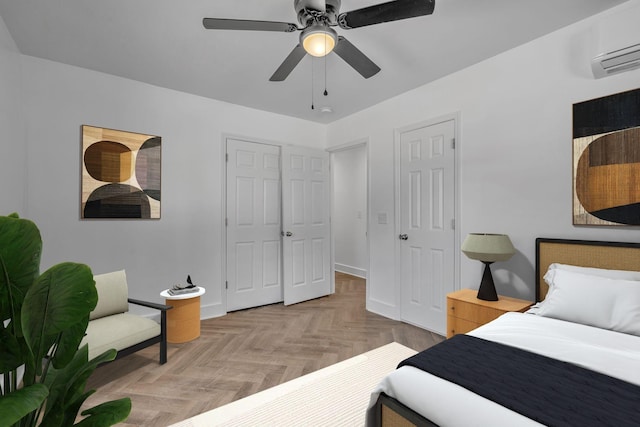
449,405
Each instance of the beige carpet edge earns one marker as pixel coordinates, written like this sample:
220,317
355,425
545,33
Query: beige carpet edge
335,395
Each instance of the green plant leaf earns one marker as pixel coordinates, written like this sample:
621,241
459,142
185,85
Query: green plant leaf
20,251
60,298
69,342
16,405
106,414
67,385
10,354
71,412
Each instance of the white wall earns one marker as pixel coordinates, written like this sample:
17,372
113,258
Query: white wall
155,253
12,130
349,220
514,151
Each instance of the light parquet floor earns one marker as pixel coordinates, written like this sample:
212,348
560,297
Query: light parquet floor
248,351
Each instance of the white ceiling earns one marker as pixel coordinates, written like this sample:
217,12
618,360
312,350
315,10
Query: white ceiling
163,42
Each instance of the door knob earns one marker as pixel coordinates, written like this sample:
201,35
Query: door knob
403,237
289,234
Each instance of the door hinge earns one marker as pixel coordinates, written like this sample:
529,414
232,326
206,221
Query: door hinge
226,157
226,285
453,143
453,224
226,222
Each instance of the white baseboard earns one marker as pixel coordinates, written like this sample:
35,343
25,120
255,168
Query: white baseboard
383,309
347,269
210,311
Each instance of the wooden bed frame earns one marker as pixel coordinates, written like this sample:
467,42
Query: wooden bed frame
586,253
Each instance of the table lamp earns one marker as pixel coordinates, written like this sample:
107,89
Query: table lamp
488,248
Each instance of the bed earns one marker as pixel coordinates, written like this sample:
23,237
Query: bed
571,329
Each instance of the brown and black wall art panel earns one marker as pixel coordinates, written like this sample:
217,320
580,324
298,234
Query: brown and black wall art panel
606,160
120,174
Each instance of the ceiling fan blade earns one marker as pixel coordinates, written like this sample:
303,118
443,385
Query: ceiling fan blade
385,12
246,24
288,64
354,57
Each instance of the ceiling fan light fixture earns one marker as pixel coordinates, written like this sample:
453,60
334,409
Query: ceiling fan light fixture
318,40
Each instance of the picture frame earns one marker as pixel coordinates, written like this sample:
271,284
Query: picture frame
121,174
606,160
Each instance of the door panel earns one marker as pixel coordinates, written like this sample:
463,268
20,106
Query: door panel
306,224
253,225
427,197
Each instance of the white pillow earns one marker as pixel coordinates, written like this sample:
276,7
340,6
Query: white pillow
593,271
600,272
591,300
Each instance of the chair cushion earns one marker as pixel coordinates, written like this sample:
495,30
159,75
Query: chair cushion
118,331
112,294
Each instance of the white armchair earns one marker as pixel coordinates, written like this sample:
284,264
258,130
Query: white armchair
112,326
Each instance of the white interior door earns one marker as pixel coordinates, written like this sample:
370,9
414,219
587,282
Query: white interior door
427,211
306,224
254,275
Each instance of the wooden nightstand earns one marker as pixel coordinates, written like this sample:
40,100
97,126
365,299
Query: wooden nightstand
466,312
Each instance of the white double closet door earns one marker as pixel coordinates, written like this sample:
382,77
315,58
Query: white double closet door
277,224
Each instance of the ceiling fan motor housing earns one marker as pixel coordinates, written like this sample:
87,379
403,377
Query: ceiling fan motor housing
308,15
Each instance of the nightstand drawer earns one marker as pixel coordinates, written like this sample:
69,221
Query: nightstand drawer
456,325
470,311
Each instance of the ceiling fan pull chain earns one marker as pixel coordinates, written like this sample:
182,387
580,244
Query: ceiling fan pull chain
325,69
312,107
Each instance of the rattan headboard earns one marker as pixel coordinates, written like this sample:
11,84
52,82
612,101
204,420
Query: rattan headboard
586,253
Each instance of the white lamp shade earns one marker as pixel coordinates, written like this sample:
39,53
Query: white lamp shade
318,40
488,247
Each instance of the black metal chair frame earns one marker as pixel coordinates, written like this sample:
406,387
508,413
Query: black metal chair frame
162,338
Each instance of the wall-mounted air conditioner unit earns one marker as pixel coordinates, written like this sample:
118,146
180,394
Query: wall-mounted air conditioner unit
616,61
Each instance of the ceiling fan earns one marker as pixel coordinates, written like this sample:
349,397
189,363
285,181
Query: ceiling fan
317,38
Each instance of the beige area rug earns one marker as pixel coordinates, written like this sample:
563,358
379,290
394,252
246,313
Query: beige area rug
337,395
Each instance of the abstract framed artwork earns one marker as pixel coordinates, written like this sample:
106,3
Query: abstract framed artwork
606,160
120,174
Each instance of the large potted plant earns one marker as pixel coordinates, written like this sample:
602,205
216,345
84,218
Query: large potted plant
43,319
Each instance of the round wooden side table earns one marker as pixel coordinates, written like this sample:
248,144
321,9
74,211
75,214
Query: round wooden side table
183,320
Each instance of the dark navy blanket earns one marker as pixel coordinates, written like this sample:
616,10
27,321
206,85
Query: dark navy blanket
549,391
